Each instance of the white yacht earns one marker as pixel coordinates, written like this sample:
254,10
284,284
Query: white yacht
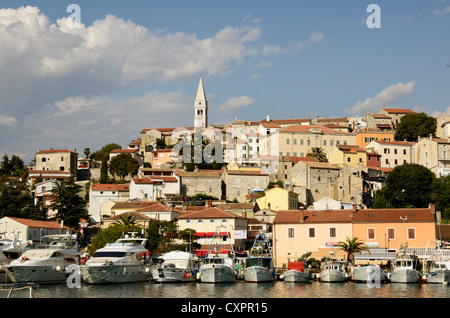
334,271
369,274
10,249
403,271
123,261
45,265
259,265
177,267
219,264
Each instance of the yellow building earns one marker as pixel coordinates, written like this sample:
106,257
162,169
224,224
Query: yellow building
243,165
278,199
347,156
363,137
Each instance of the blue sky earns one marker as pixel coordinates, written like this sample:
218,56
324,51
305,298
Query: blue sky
137,64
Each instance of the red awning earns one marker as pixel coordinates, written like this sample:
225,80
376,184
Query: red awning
200,234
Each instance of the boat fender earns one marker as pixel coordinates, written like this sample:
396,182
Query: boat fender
281,276
58,268
147,269
186,275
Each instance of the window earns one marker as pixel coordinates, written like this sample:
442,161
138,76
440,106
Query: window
371,234
391,234
287,141
291,232
411,233
301,142
62,158
211,221
295,141
61,168
332,232
404,151
311,232
324,142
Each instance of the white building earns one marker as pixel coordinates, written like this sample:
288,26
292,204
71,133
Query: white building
152,187
201,107
102,193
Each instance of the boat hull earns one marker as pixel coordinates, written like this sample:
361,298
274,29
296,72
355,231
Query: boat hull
258,274
295,276
115,274
368,274
404,276
217,273
332,276
438,277
173,275
43,274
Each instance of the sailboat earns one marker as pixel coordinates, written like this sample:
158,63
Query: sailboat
259,265
219,263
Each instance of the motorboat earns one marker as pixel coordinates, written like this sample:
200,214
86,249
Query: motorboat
437,270
47,264
403,270
218,265
123,261
259,264
370,274
10,249
177,267
334,271
295,273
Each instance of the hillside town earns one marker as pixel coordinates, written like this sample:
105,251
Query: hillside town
308,184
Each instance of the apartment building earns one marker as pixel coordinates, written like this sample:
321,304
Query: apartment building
393,153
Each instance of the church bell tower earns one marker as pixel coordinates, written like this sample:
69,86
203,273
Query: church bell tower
201,107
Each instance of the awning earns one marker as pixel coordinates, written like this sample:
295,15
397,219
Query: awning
200,234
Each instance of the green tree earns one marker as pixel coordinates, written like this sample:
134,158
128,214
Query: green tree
160,234
415,125
16,199
104,151
318,153
352,246
271,184
104,170
441,197
123,165
69,204
407,186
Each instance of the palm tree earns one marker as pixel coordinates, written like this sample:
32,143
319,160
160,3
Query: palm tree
126,220
352,246
317,152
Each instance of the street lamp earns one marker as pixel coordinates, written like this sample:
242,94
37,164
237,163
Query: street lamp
404,234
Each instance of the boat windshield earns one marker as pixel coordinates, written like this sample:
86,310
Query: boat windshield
110,254
257,261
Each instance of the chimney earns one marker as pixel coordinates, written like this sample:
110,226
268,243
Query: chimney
302,214
268,118
432,208
354,208
209,203
431,137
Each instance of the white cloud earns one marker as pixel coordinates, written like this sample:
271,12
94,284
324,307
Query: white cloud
316,37
233,103
387,97
7,120
51,62
442,12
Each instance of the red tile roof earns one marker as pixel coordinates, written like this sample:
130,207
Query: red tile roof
110,187
155,207
54,151
398,110
209,213
38,223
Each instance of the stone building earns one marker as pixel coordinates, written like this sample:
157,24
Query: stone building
433,153
207,182
238,183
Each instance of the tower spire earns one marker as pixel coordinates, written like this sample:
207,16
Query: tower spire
201,107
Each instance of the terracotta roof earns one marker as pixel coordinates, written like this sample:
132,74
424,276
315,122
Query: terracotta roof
110,187
398,110
297,159
134,215
309,129
270,125
243,172
124,150
287,121
322,165
163,150
209,213
54,151
154,179
394,142
130,205
235,206
393,215
38,223
155,207
200,174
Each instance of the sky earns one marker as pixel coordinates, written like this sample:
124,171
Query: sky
133,65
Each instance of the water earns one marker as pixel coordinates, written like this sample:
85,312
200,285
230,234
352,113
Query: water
240,290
